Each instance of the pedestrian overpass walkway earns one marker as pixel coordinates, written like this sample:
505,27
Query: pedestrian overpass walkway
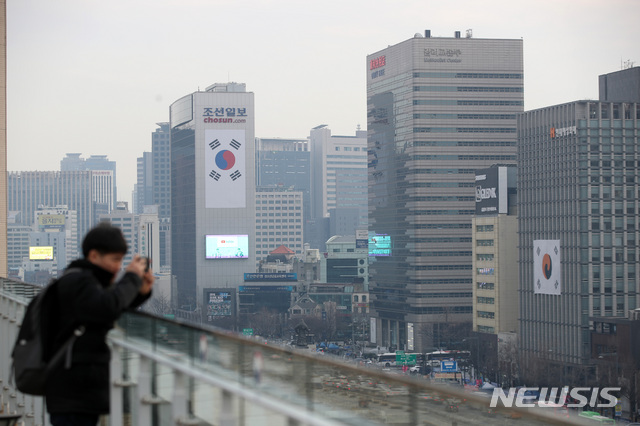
166,372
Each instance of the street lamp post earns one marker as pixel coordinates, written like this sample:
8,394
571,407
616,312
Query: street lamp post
477,365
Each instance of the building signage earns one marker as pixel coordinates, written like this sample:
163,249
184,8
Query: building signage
219,304
362,238
41,253
224,161
265,288
487,191
563,131
271,276
491,191
442,55
376,63
51,221
224,115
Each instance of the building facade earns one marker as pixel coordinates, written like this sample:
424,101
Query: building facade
279,221
104,178
578,188
338,173
30,191
438,109
212,191
285,163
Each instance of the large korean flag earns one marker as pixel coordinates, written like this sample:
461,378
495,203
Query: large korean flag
546,267
225,174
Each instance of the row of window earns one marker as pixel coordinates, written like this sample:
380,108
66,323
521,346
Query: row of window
464,130
465,157
485,286
484,243
484,228
350,148
464,116
467,75
279,208
485,314
442,212
442,268
467,102
447,281
485,257
486,300
443,253
464,143
486,89
438,199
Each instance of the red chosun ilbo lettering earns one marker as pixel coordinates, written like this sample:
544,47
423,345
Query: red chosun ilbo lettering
378,62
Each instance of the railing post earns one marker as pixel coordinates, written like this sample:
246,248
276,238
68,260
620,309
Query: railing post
179,399
226,409
115,418
144,392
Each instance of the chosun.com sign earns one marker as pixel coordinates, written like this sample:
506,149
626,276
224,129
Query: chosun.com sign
556,397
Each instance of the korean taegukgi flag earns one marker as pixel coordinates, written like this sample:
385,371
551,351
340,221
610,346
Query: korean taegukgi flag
546,267
225,174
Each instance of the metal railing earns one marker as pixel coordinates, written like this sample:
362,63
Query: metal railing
166,372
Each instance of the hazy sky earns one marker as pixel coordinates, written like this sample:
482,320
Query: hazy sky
94,76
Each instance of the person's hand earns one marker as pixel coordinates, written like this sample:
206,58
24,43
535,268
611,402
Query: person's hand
147,282
137,265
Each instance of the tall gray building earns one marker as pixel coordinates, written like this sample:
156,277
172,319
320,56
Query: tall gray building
620,86
578,187
161,180
30,191
438,109
285,163
212,191
105,191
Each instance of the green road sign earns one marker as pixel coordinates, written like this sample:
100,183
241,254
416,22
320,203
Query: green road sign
405,359
247,331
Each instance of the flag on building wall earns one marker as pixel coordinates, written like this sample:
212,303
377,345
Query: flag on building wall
224,163
546,267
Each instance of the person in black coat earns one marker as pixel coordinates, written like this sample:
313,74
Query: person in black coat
78,394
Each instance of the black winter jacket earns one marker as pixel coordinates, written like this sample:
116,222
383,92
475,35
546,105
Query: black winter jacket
86,298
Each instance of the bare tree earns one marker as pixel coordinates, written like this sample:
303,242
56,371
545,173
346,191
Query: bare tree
159,304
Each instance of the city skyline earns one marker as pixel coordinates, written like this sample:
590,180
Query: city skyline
113,70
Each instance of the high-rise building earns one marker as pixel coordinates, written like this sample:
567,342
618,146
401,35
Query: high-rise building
339,182
620,86
438,110
143,189
285,163
495,252
147,238
279,221
122,218
578,191
60,219
30,191
212,192
104,177
161,165
3,136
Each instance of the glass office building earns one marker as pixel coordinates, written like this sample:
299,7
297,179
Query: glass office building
438,110
578,185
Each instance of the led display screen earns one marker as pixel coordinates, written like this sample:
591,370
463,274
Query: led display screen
41,253
226,246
